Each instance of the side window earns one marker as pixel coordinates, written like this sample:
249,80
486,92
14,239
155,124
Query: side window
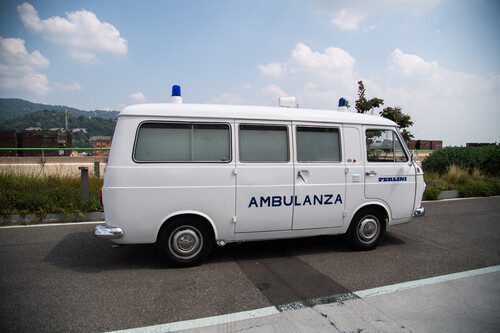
263,143
182,142
318,144
384,146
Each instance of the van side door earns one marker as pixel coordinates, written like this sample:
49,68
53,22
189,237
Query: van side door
264,176
389,176
319,177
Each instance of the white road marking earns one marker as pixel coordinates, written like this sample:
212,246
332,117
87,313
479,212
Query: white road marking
271,310
203,322
424,282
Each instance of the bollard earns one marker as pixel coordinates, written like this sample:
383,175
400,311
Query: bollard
97,170
85,183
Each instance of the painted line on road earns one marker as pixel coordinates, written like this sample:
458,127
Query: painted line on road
203,322
49,225
272,310
458,199
424,282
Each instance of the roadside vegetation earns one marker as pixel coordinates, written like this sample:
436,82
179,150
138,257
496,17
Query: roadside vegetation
32,194
472,171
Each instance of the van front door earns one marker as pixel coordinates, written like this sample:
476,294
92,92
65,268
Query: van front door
264,177
389,176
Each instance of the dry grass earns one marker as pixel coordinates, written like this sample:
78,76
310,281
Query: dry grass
49,169
456,175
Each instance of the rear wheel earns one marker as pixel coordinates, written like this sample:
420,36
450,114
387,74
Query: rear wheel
367,229
185,242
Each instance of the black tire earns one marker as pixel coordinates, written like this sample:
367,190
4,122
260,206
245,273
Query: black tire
185,241
367,229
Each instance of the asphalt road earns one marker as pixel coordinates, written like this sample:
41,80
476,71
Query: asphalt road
61,278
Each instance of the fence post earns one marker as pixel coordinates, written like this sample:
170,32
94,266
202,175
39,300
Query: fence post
97,169
85,183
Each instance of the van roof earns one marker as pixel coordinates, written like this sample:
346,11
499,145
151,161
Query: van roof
246,112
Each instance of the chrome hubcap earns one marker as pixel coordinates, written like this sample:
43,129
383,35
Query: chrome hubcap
185,242
368,229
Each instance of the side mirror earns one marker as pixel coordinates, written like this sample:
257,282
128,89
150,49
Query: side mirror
412,158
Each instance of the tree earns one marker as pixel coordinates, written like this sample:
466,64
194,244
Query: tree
403,120
393,113
362,104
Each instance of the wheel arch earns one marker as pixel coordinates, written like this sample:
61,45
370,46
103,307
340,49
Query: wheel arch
190,214
383,209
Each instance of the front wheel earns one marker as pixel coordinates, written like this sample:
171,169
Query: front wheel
367,229
185,242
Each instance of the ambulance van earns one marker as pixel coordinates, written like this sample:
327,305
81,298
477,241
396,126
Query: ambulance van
186,176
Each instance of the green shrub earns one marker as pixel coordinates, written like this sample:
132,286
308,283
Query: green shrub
486,159
431,193
475,188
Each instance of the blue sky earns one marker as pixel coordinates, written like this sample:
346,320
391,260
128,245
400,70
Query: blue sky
436,59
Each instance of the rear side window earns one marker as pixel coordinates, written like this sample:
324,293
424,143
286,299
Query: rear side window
263,143
182,142
384,146
318,144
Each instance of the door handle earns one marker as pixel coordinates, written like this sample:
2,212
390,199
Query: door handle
371,173
301,176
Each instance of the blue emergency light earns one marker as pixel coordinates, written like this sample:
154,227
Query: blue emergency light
176,90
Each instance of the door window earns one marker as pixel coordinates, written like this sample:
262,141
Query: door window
384,146
318,144
263,143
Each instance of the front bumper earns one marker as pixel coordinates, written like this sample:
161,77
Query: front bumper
419,212
102,231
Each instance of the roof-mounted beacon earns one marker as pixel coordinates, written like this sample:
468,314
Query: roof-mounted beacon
342,105
176,95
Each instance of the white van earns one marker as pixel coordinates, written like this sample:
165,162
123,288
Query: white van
185,176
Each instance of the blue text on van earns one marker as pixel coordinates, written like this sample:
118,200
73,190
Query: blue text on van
391,179
278,201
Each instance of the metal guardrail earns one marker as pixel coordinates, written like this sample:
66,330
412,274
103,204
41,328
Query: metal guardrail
42,149
52,149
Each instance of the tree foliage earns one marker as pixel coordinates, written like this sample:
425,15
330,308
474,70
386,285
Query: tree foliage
362,104
393,113
403,120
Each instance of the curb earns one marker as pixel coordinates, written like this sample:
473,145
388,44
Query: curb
452,194
449,194
50,218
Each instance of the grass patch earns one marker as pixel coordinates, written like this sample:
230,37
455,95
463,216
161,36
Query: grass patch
468,184
29,194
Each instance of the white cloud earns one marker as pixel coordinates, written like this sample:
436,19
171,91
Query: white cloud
436,80
273,69
444,103
75,86
20,70
82,32
350,14
270,95
228,99
334,63
84,57
318,79
138,97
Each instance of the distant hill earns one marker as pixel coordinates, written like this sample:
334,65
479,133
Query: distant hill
48,119
13,107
